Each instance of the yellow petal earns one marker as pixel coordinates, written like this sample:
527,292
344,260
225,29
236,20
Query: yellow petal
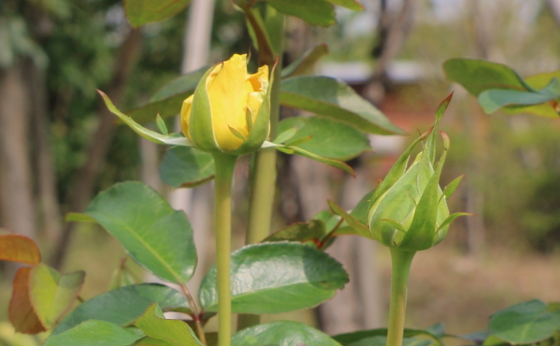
254,102
185,115
228,87
259,80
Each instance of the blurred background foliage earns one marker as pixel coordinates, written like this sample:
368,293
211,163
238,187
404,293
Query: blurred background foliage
512,162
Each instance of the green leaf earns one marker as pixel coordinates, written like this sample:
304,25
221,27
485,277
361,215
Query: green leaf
329,138
52,294
174,332
437,329
349,4
140,12
330,162
285,136
493,340
499,86
356,227
282,333
96,333
313,230
315,12
168,100
305,63
476,337
79,217
186,167
276,277
355,338
152,342
154,234
494,99
124,305
479,75
21,312
334,99
328,218
525,323
382,341
142,131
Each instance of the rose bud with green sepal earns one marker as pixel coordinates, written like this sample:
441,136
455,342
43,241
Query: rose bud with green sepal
230,109
409,210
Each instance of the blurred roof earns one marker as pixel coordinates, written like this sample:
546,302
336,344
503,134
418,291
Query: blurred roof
358,72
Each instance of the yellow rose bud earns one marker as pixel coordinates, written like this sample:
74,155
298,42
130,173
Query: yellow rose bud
229,110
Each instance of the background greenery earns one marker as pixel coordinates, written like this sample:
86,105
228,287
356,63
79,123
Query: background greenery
512,162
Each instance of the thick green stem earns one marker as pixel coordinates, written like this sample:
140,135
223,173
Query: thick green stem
401,261
264,170
222,222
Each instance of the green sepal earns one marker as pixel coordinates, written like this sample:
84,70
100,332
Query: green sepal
358,227
452,186
397,203
237,133
421,234
150,135
201,130
450,219
396,172
161,125
395,224
330,162
430,147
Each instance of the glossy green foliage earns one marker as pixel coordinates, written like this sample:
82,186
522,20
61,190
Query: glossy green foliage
326,137
375,337
525,323
498,86
186,167
332,98
140,12
276,277
96,333
324,96
124,305
154,234
382,341
173,332
282,333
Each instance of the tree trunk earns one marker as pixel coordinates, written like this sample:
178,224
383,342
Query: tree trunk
84,183
45,173
16,204
196,49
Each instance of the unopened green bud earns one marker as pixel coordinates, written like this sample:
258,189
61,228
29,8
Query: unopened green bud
409,209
